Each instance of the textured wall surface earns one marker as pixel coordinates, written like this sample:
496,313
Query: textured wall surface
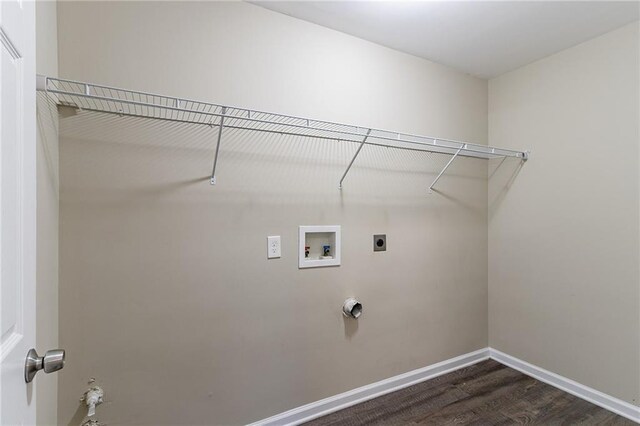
166,295
564,280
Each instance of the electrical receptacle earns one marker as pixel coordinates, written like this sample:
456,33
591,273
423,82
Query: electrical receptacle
273,247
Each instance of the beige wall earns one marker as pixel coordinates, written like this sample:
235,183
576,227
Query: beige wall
166,295
47,213
564,281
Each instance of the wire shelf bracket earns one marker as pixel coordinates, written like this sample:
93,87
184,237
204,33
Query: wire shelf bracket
215,158
444,169
354,158
130,103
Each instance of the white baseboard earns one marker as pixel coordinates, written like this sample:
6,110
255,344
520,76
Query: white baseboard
603,400
338,402
329,405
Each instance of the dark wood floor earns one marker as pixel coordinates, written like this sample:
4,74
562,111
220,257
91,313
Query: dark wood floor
487,393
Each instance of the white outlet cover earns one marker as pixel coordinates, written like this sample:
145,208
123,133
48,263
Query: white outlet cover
274,249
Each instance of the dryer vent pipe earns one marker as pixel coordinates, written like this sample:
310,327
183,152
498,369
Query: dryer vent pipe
352,308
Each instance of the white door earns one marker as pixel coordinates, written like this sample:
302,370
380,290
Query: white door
18,208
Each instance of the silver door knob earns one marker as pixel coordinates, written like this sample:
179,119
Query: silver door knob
52,361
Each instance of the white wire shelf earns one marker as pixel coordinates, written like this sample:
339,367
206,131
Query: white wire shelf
111,100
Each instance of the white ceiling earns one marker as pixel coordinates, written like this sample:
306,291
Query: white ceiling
481,38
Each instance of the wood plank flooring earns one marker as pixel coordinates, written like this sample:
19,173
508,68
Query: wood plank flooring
487,393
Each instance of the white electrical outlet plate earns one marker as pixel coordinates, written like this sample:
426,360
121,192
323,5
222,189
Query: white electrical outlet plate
273,247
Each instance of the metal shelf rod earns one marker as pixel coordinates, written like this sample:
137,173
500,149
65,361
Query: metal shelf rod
354,158
215,158
254,120
123,102
481,150
444,169
250,112
124,114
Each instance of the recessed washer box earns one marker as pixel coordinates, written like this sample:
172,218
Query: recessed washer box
319,246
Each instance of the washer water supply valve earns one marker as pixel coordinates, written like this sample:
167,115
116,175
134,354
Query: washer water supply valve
93,397
352,308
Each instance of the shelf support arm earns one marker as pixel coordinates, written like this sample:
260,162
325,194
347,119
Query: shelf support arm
215,158
446,167
354,158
